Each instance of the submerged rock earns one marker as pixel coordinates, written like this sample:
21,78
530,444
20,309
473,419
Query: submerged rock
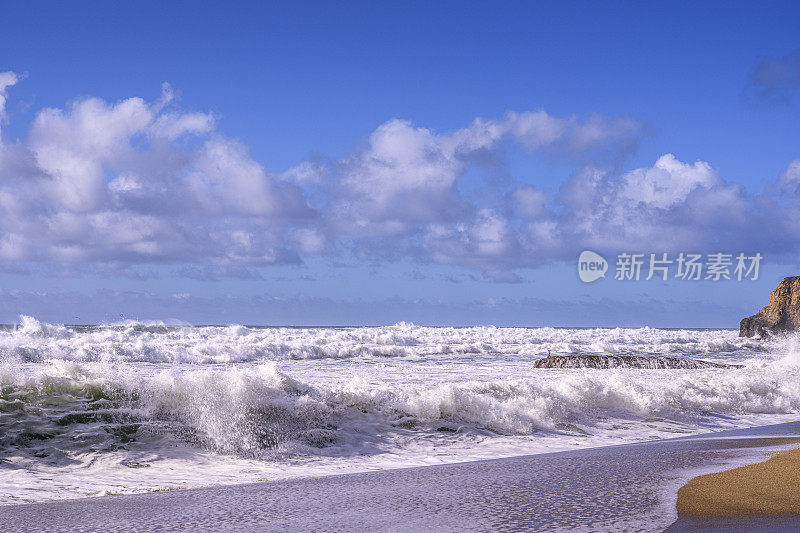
624,361
781,314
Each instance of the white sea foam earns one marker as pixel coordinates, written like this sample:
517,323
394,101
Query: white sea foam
34,341
138,407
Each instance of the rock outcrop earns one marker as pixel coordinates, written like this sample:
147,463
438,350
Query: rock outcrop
781,314
624,361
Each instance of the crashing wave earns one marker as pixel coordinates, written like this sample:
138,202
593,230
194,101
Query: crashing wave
145,404
34,341
69,408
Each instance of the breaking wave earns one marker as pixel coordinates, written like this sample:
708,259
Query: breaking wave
113,399
34,341
69,408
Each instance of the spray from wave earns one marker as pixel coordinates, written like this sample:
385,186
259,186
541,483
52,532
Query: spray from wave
260,410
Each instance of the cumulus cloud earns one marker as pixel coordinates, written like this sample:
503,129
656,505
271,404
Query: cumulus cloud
405,177
670,206
134,182
123,185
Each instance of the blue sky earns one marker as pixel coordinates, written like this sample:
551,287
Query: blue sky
324,164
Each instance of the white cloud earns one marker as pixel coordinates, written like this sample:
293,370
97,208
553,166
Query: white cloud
566,137
131,183
529,202
405,177
667,183
114,183
7,79
790,177
486,242
671,205
225,179
74,147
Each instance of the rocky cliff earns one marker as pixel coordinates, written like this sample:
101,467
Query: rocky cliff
781,314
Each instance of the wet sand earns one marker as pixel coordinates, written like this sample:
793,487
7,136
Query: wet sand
629,487
756,497
767,488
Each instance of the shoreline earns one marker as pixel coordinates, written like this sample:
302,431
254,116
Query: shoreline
764,488
629,486
759,496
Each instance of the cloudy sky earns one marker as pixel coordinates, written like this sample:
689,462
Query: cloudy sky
377,162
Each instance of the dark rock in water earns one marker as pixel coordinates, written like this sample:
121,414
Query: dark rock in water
624,361
781,314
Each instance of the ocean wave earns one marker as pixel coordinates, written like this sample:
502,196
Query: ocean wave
35,341
62,411
138,406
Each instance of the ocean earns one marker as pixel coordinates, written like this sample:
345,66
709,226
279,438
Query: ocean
134,407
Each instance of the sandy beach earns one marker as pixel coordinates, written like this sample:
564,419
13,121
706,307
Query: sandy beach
766,488
755,497
629,487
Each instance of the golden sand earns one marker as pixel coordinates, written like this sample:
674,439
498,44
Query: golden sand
768,488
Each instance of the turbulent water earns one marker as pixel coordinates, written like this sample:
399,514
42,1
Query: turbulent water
134,407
